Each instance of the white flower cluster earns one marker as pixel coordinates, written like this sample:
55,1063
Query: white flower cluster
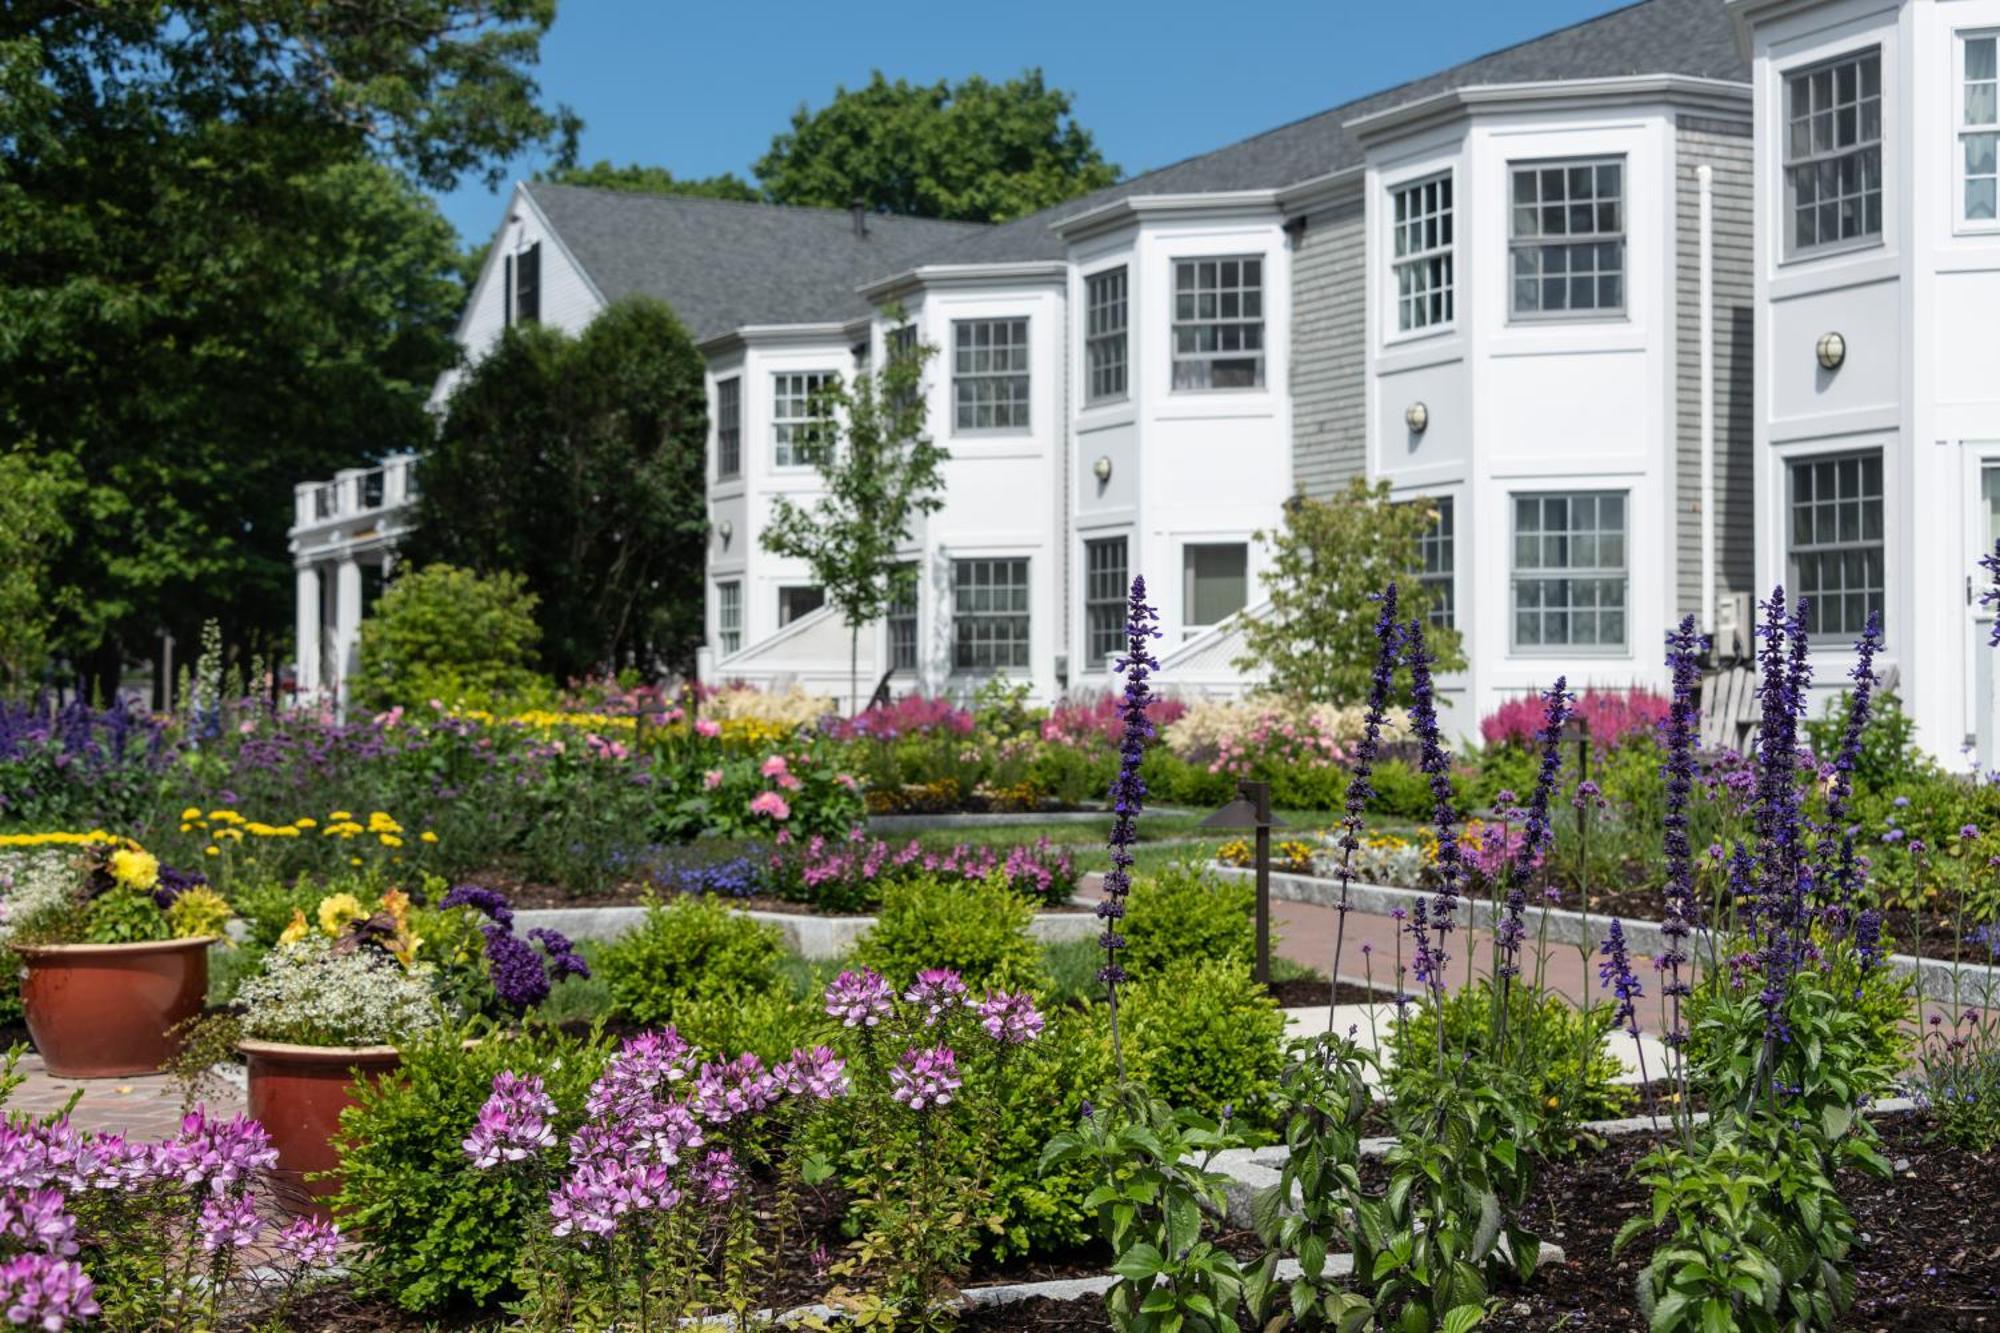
792,708
34,881
311,995
1210,724
1399,862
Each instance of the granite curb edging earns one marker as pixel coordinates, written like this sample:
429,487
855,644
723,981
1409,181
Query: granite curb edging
1942,980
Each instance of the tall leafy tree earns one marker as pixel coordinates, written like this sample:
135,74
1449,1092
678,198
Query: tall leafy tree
577,462
32,527
974,151
638,179
1328,560
879,473
218,276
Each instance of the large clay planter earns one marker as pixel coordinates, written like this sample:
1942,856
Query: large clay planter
106,1010
298,1093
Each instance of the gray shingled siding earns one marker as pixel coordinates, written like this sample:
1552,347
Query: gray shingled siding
1329,349
1725,146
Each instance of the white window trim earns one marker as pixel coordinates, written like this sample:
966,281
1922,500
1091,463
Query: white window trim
1124,395
1597,314
1788,250
1789,549
1262,321
1547,650
832,378
1091,663
1392,324
1025,374
1960,131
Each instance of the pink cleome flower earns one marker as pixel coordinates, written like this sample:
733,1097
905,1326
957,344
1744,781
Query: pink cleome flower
772,804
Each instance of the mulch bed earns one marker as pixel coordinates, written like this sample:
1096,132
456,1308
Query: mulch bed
1305,992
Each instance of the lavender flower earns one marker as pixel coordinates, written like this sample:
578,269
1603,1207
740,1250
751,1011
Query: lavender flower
1616,972
936,991
1011,1018
1684,649
486,902
563,959
216,1153
859,999
817,1073
513,1125
47,1292
1128,791
925,1078
229,1223
637,1072
717,1176
1435,761
310,1242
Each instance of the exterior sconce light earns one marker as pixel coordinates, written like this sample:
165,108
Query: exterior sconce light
1831,350
725,530
1101,469
1417,417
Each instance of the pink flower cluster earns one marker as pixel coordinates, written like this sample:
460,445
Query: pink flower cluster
1612,716
911,715
1011,1018
645,1150
1101,720
859,999
925,1078
935,993
1274,737
1041,871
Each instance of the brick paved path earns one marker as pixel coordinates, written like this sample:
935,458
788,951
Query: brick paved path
146,1108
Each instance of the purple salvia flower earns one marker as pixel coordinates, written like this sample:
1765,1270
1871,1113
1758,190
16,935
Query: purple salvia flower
1837,862
1684,649
1361,775
1616,972
1128,790
859,999
1011,1018
925,1078
1435,761
1535,828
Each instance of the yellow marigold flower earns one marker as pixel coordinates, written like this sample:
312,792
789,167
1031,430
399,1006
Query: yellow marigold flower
297,929
192,812
135,869
225,816
427,836
337,910
390,840
212,850
354,860
340,815
186,827
233,834
305,821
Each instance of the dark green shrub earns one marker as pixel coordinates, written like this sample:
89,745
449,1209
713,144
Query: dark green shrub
1890,759
978,928
1307,786
1201,1036
434,1232
690,948
1185,913
1171,780
1401,792
771,1024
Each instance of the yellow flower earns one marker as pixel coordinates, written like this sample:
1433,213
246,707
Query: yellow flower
186,827
337,910
354,860
427,836
391,840
339,816
305,821
212,850
297,929
192,812
225,816
135,869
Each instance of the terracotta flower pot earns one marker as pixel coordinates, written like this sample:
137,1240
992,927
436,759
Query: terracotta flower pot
105,1010
298,1093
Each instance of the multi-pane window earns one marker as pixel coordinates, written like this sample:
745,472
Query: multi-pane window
902,620
1104,333
1567,240
1215,583
728,617
1421,229
1569,570
1833,152
989,374
989,622
798,420
1835,541
1105,585
1219,323
799,601
728,427
1436,548
902,348
1979,132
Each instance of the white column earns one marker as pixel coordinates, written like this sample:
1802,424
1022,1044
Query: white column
307,613
346,624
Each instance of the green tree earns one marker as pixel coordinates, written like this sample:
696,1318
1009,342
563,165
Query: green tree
1327,560
974,151
879,472
450,634
578,463
637,179
32,491
218,276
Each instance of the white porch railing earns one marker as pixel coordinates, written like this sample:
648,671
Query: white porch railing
356,492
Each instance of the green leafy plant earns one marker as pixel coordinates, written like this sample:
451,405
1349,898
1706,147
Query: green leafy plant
1183,912
450,634
689,950
432,1231
977,928
1202,1035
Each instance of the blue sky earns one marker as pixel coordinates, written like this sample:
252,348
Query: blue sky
701,88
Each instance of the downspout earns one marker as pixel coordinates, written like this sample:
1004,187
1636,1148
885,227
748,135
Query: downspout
1704,177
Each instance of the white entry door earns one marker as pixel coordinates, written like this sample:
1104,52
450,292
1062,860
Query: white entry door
1982,530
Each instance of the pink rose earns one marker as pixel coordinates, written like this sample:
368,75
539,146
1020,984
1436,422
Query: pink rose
788,782
775,767
704,727
772,804
712,779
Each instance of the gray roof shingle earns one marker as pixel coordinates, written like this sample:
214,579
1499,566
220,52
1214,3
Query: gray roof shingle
723,265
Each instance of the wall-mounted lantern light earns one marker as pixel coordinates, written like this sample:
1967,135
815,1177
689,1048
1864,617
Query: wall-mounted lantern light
1831,350
1417,417
1101,469
725,530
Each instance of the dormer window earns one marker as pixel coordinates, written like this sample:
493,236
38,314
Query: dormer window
1833,153
1422,235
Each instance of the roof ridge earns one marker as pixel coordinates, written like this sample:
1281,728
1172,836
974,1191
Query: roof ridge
533,185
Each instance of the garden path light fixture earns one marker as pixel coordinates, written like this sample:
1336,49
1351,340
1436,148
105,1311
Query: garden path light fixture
1252,810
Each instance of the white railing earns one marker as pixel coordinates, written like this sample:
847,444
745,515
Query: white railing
357,492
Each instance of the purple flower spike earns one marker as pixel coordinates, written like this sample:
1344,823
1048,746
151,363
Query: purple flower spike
1128,791
493,906
1616,972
